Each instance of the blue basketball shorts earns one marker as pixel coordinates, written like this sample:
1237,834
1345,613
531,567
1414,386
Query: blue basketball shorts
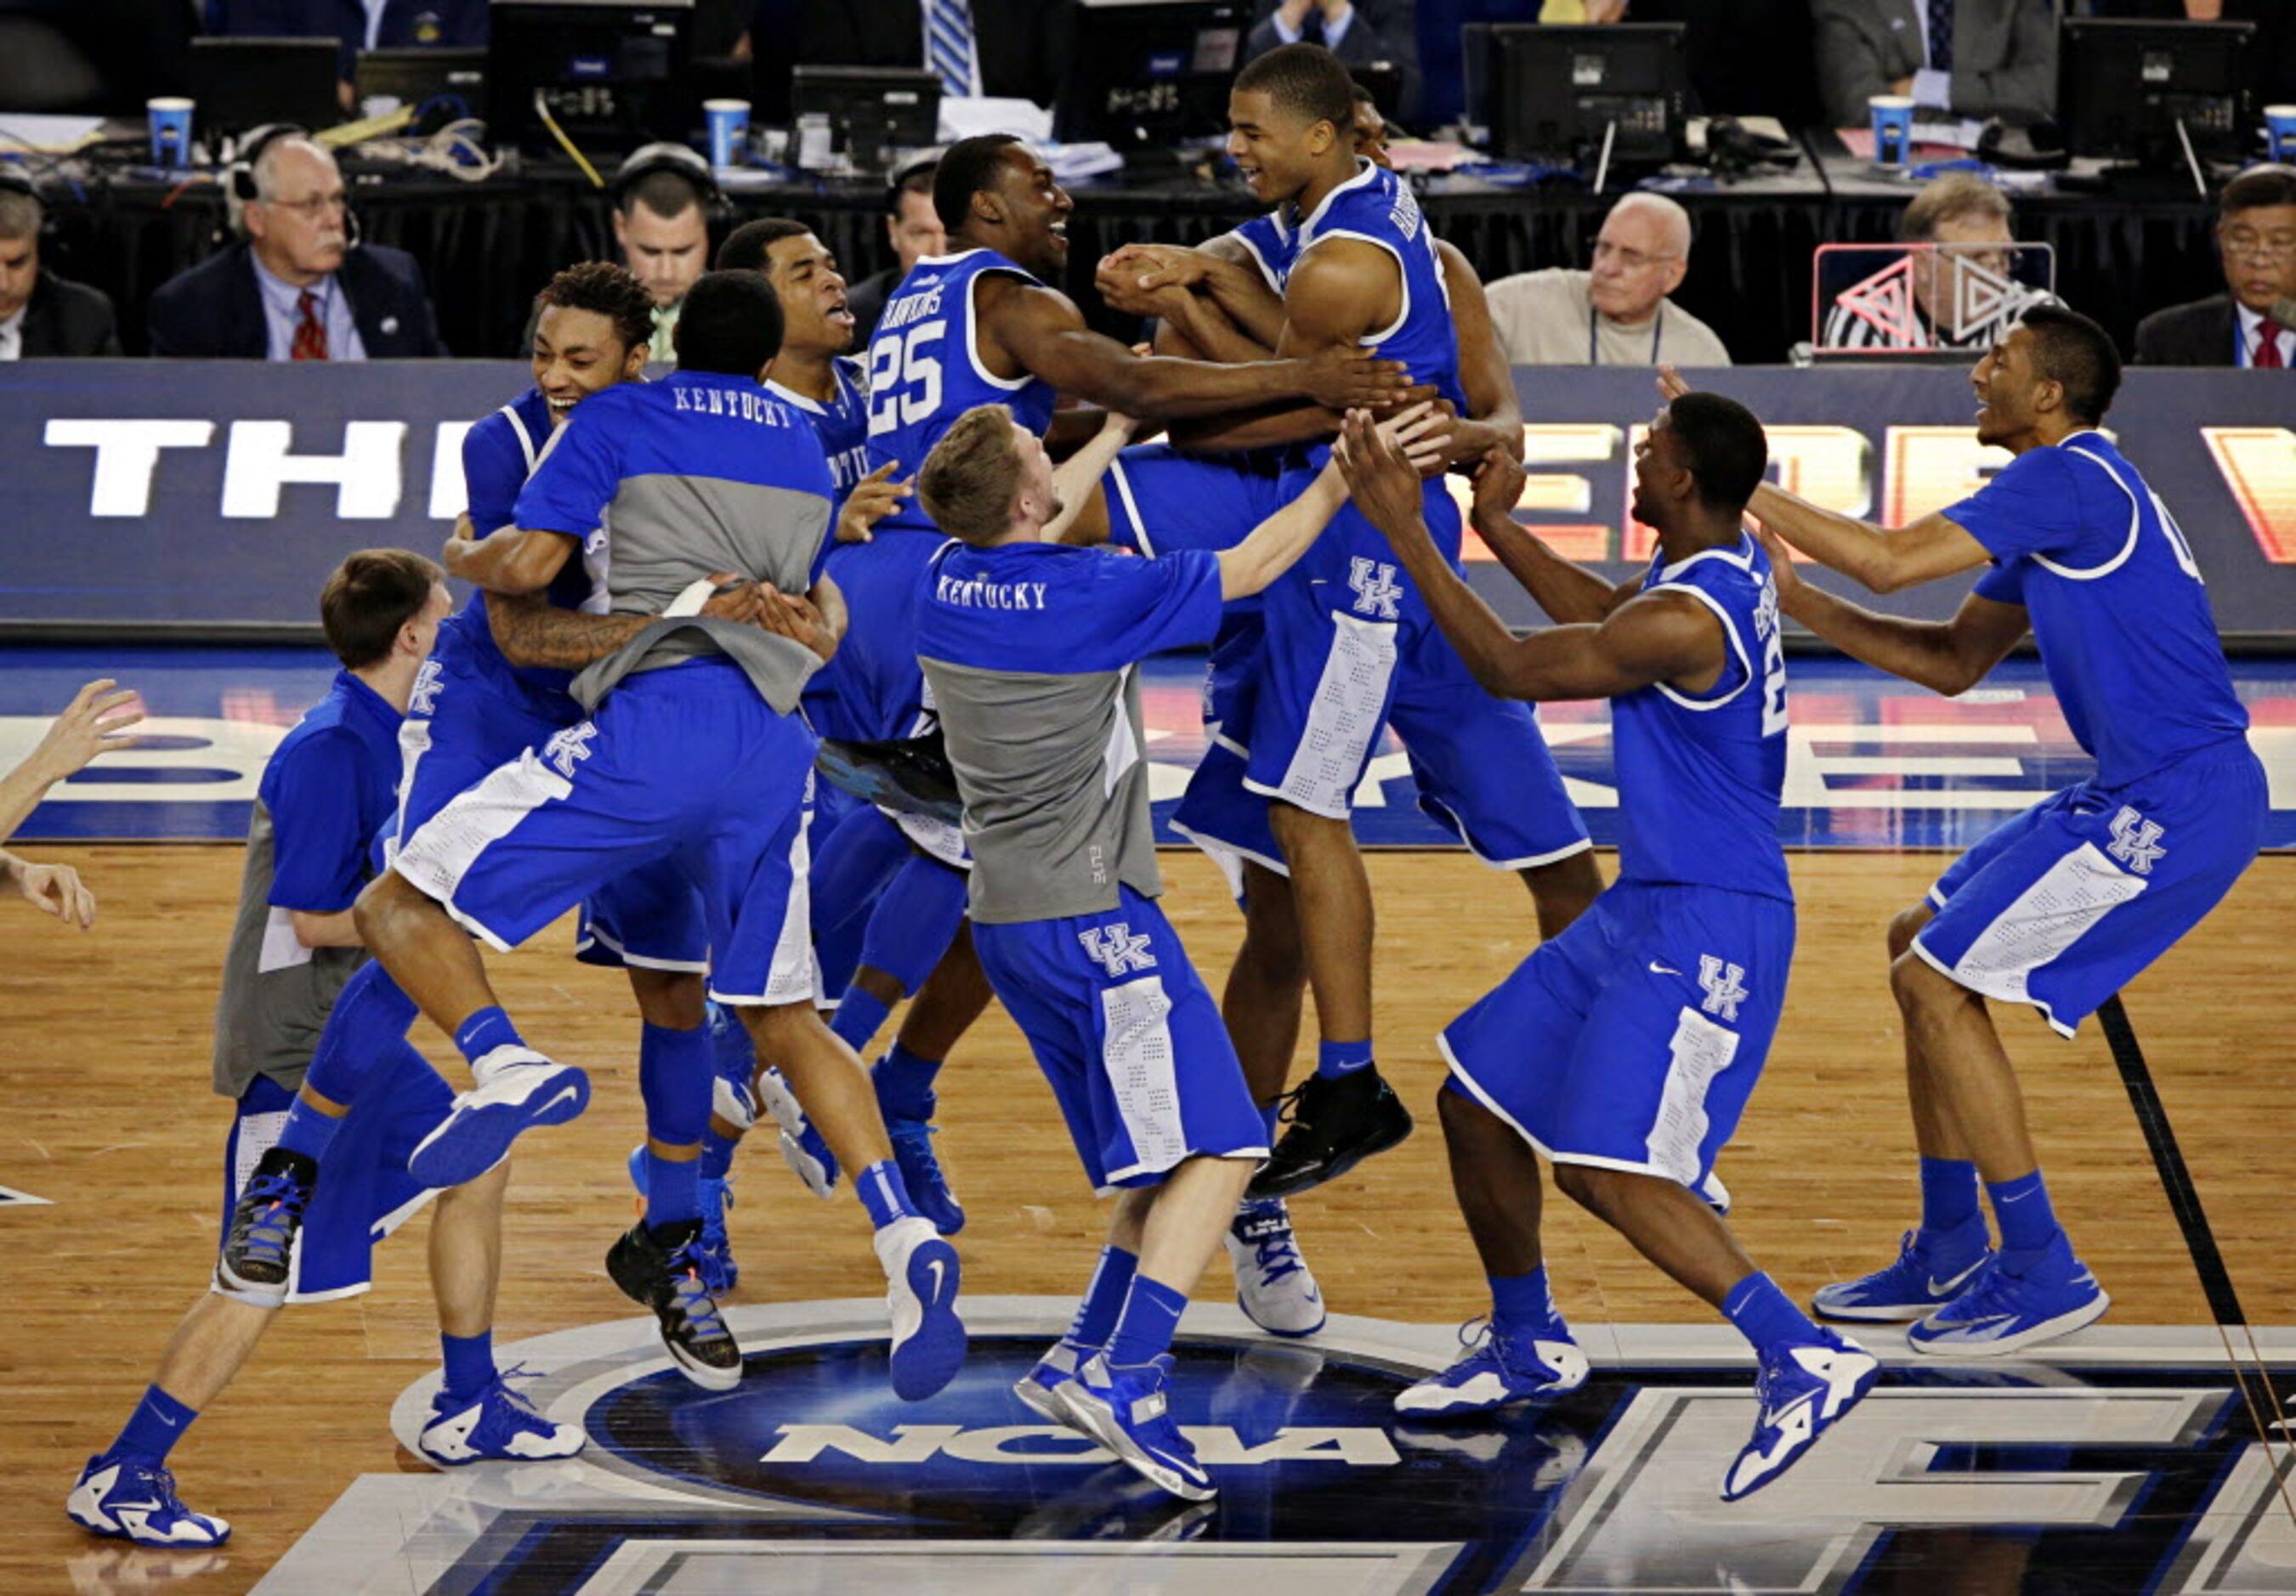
2062,906
650,919
461,722
1633,1040
367,1192
1128,1037
686,764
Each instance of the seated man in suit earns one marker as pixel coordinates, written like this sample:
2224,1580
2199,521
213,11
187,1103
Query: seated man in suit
2256,236
1012,49
1358,31
914,232
1956,58
40,313
292,287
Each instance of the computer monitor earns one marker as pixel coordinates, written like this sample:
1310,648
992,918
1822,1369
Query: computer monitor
1150,73
611,73
2135,91
1595,96
244,83
878,113
416,78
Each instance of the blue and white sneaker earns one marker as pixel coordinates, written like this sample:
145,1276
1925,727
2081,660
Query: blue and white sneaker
928,1187
1914,1286
714,1253
1039,1390
1124,1409
2001,1311
496,1422
133,1499
803,1147
517,1090
1498,1369
1803,1391
928,1347
257,1259
1273,1284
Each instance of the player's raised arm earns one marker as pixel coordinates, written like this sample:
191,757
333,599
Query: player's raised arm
1076,478
1568,593
1494,418
1948,657
1415,437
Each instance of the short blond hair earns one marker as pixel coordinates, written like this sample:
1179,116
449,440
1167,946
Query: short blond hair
1943,198
970,480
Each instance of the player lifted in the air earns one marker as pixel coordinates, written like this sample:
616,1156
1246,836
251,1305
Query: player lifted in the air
1626,1049
2062,905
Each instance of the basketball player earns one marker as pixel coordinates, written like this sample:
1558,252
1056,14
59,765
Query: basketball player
1625,1049
2062,905
498,682
1031,648
694,753
325,793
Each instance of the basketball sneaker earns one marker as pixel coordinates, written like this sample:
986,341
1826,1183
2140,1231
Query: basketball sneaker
133,1499
923,1276
1273,1286
1925,1277
1498,1368
928,1187
258,1246
803,1147
659,1267
516,1089
2001,1311
715,1252
1804,1391
1125,1409
1039,1390
1336,1124
496,1422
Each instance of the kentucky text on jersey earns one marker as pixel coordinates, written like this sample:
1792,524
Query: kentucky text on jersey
749,404
978,593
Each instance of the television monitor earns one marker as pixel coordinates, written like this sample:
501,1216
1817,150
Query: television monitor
1151,73
877,112
1593,96
245,82
2135,91
613,73
416,77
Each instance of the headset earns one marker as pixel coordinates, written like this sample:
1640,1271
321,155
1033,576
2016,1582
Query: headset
239,178
15,180
649,158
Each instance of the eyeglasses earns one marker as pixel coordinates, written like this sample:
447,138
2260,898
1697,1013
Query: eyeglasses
1629,260
312,209
2266,250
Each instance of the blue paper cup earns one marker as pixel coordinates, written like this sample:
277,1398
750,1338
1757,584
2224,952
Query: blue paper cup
729,131
2280,132
171,131
1893,128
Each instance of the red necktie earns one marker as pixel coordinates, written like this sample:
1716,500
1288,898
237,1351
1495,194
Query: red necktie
310,332
2267,346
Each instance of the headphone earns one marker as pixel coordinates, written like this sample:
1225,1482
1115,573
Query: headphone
647,159
15,180
239,189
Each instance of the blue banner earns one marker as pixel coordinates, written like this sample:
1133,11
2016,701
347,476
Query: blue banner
161,493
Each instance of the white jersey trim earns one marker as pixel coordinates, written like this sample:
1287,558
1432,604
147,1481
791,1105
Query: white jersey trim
2129,545
1011,385
1402,276
1729,630
509,412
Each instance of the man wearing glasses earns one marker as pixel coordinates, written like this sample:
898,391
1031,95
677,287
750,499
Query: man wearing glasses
1617,313
2256,236
294,288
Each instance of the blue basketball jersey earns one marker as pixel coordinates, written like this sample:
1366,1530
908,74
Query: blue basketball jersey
498,454
1376,207
842,424
1699,776
1270,244
2119,611
925,370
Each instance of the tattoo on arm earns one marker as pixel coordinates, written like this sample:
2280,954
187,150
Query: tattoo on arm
538,635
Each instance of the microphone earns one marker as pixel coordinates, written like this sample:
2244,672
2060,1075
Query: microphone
2283,311
350,229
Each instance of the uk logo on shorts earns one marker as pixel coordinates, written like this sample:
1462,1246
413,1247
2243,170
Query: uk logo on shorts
567,748
1116,950
1375,587
1725,985
2135,841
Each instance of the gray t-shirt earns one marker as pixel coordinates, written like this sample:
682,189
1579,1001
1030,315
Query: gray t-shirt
1548,318
277,993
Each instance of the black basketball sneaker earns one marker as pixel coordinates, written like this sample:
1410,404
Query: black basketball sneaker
258,1248
661,1267
1335,1124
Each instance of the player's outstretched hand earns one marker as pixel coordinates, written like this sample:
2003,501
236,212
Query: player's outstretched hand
1498,486
95,722
1348,377
793,616
1782,565
1154,267
1120,278
52,889
736,599
874,498
1670,385
1382,478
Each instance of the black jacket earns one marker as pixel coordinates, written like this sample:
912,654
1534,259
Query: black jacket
1384,30
214,310
1021,43
2199,333
68,318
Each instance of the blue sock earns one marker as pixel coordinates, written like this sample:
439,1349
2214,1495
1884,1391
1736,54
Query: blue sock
157,1424
672,1189
1104,1300
470,1361
677,1081
884,1194
1336,1059
2020,1208
904,1083
1948,1196
309,1132
1143,1330
915,920
1766,1316
1523,1302
717,1156
485,1031
859,1018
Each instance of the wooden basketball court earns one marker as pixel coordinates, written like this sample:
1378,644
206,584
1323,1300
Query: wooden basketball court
105,1112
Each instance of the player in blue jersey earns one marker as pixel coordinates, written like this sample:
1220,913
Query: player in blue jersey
325,793
694,754
1625,1049
2062,905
